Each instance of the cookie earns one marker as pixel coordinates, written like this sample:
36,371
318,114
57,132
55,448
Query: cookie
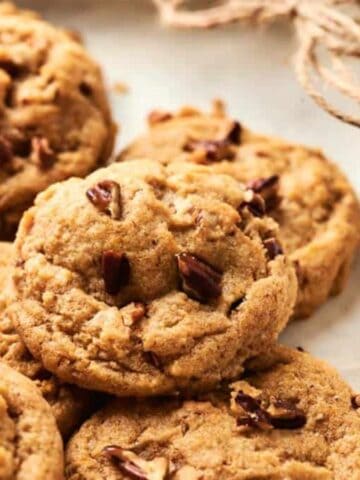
30,444
55,121
291,417
142,280
6,258
305,193
69,404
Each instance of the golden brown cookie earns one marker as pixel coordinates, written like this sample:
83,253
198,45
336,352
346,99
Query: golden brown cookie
30,444
292,417
55,121
305,193
141,280
69,404
6,260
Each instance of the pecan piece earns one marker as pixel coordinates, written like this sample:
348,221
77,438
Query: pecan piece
254,203
43,155
254,414
106,196
234,134
280,414
273,249
136,468
214,150
115,271
355,401
199,280
284,414
6,153
268,188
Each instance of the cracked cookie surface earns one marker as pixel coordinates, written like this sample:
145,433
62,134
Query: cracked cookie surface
316,208
291,417
70,405
30,444
55,121
141,279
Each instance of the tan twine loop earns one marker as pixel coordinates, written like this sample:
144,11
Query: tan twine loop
328,38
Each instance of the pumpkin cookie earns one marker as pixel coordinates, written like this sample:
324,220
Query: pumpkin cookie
305,193
291,417
142,280
69,404
55,121
30,444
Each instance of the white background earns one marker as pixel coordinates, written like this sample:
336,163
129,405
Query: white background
249,69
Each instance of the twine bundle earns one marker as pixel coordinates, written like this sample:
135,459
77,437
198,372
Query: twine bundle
328,38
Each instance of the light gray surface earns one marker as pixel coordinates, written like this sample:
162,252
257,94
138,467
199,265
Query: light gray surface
251,71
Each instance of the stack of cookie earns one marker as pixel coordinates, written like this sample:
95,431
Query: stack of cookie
150,294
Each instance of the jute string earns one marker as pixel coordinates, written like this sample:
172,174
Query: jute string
328,38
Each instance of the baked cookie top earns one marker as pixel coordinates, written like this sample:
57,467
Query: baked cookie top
30,444
55,120
6,260
69,404
141,279
291,417
305,193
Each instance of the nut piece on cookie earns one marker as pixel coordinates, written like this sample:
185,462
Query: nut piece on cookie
313,202
55,118
173,294
201,439
134,466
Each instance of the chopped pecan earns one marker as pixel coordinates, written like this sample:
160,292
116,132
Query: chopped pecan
254,203
355,401
158,116
199,280
234,134
279,414
214,150
106,196
284,414
260,184
268,188
115,271
134,466
43,155
254,414
273,248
